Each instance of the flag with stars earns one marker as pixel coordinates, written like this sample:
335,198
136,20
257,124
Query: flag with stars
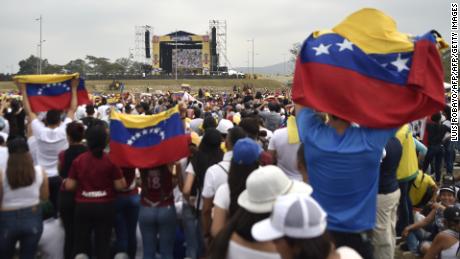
52,92
147,141
372,75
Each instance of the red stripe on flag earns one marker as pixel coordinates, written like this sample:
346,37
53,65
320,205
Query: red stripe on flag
366,101
167,151
42,103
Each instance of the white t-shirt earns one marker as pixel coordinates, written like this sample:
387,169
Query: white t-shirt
51,245
346,252
216,175
103,112
33,149
237,251
22,197
286,154
222,197
3,158
49,143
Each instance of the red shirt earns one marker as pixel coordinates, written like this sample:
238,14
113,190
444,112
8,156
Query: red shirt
95,177
130,177
157,188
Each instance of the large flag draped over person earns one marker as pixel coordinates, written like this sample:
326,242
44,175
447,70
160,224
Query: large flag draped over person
52,92
147,141
367,72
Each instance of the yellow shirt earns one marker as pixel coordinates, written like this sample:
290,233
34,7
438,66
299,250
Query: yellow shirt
419,187
408,166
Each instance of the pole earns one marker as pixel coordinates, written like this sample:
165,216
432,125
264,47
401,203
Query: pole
253,58
41,44
175,39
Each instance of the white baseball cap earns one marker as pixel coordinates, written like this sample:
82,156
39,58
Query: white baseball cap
264,185
294,215
224,125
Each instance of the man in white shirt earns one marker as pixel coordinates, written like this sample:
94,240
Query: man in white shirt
103,110
51,138
217,175
285,153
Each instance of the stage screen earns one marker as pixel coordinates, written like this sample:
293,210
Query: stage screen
186,58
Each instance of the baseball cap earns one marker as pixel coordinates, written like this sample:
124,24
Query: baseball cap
452,213
246,151
224,125
294,215
448,188
264,185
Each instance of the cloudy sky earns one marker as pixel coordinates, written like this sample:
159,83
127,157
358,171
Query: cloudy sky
105,28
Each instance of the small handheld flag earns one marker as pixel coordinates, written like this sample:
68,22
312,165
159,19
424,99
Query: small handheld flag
47,92
147,141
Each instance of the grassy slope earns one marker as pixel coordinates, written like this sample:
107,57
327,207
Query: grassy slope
141,85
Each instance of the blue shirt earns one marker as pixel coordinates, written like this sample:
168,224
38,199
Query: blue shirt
343,170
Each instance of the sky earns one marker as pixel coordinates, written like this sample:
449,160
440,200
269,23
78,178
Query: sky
106,28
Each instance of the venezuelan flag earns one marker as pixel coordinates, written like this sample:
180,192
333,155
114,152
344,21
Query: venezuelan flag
48,92
364,70
147,141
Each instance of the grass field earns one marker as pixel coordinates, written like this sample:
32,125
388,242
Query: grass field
141,85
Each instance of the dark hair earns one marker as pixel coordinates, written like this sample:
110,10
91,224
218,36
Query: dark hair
89,109
208,154
75,131
237,176
15,105
103,101
197,112
234,134
20,171
96,138
241,223
251,126
436,117
128,108
53,117
209,122
311,248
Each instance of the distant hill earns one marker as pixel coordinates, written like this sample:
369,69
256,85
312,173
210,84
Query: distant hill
276,69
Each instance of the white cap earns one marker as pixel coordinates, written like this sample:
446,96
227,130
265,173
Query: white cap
294,215
224,125
264,185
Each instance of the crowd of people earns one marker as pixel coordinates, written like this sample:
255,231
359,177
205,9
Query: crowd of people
265,179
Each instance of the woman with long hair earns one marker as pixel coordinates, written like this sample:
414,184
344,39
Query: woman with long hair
157,215
94,178
297,226
208,154
22,186
75,132
245,160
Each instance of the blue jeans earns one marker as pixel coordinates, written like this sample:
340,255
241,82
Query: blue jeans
435,155
127,213
158,229
192,232
23,225
406,217
449,156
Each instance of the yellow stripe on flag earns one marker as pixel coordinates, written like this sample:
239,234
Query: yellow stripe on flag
44,79
143,121
374,32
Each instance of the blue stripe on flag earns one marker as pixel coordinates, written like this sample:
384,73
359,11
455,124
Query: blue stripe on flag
146,137
331,49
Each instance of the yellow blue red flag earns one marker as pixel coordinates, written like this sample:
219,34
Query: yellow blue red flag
147,141
364,70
